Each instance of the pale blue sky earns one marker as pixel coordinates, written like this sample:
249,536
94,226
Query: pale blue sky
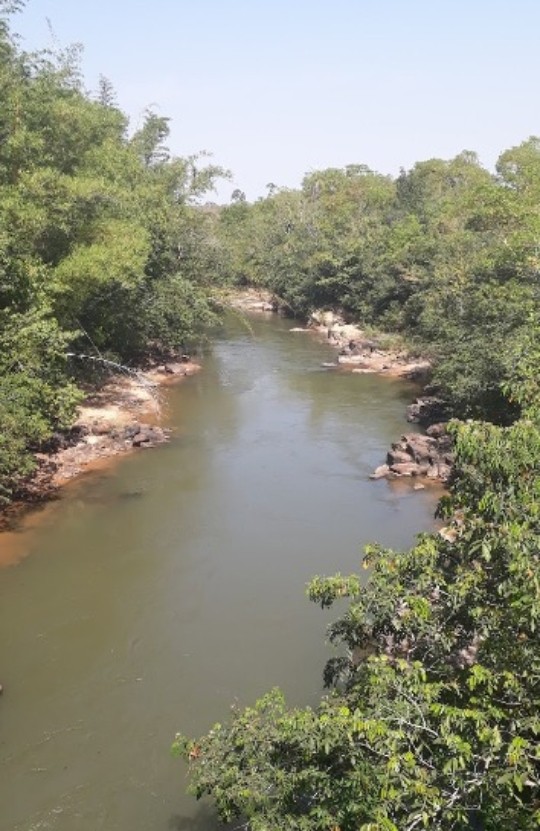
277,88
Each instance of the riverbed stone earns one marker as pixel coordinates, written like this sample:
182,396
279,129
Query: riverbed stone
437,430
445,472
380,472
406,469
148,436
131,430
420,448
397,456
426,410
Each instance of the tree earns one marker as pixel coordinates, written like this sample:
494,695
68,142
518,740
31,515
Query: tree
106,94
36,395
238,197
148,142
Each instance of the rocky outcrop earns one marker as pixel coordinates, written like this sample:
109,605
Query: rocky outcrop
252,300
360,354
428,456
427,410
415,455
144,435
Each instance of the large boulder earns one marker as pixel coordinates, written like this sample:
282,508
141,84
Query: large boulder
427,410
148,436
397,456
421,448
380,472
406,469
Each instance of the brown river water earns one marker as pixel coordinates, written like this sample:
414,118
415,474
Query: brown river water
162,589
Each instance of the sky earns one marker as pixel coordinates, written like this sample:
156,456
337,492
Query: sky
278,88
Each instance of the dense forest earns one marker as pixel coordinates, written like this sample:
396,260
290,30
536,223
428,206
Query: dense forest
106,250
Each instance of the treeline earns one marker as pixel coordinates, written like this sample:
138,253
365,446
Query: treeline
103,250
446,256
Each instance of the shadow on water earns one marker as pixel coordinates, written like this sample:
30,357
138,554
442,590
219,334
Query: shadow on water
203,819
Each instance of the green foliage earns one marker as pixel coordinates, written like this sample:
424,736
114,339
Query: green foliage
36,397
177,312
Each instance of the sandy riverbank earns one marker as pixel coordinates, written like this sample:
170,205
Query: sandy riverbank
124,414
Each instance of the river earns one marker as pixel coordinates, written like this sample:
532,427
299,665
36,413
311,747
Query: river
158,591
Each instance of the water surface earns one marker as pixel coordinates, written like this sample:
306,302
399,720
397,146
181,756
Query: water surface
159,591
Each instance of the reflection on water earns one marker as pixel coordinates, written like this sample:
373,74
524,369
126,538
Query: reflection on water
162,589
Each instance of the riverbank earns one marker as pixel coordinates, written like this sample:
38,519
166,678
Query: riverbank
426,458
126,413
122,415
356,351
362,354
251,300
